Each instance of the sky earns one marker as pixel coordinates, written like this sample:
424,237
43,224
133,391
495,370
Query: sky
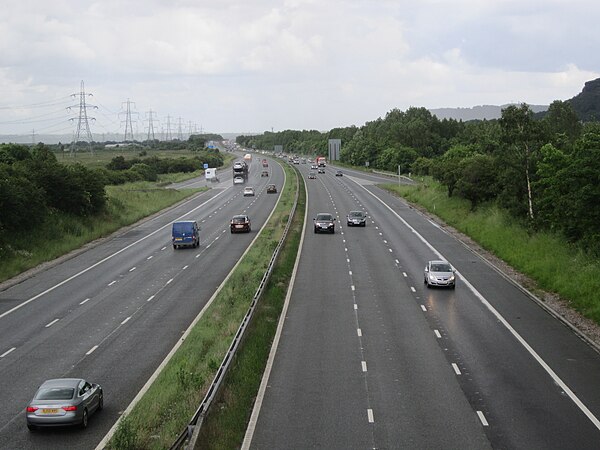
234,66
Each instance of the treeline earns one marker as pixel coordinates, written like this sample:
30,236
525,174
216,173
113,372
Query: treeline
35,186
544,172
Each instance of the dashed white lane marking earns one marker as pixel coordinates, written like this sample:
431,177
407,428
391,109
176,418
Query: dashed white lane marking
397,262
390,250
150,298
404,274
456,369
370,415
482,418
185,267
150,257
437,334
364,366
52,323
350,272
384,241
423,308
132,269
126,320
163,249
7,352
347,259
85,301
198,255
352,287
355,306
112,282
169,282
413,289
92,350
359,332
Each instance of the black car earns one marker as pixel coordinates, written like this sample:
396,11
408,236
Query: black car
240,223
271,189
324,222
357,218
339,173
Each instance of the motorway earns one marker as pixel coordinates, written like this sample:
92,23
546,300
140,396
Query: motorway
371,358
112,313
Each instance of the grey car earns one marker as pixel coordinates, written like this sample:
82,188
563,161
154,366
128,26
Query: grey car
357,218
439,273
64,401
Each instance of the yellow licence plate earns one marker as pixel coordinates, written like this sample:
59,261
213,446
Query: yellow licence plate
50,410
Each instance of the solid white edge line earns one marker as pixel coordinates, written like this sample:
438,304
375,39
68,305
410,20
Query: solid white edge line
126,320
499,316
370,416
150,298
484,421
85,301
51,323
7,352
102,444
87,269
112,282
267,373
132,269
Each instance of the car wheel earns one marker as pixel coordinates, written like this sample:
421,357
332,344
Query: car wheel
31,427
174,247
453,286
101,402
333,231
84,420
364,224
316,231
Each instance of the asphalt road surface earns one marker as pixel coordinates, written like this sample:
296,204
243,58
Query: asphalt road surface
112,313
371,358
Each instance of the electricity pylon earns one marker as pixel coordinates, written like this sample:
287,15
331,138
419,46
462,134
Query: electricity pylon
82,121
150,115
128,122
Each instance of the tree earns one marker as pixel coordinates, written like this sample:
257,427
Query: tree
447,169
477,179
521,137
562,123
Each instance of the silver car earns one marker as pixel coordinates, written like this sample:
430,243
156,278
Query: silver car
439,273
64,401
357,218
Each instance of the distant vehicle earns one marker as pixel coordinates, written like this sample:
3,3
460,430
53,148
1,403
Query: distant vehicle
240,169
265,173
296,161
312,175
271,189
248,191
240,223
314,167
185,233
339,173
357,218
321,169
248,157
211,175
64,401
439,273
321,161
324,222
238,180
265,163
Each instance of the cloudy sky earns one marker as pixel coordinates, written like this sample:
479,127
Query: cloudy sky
249,66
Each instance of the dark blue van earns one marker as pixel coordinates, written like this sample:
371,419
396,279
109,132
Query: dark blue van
185,234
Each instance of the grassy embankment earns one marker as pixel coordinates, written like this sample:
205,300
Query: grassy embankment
552,263
166,408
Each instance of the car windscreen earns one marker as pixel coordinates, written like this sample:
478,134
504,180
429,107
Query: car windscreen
440,268
56,393
180,228
324,217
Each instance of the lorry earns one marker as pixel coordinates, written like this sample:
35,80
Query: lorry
321,161
185,233
211,175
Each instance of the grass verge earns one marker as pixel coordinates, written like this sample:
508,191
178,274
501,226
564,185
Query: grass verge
166,408
61,233
546,258
225,426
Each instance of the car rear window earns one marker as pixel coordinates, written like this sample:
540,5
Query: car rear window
55,394
239,219
182,227
356,214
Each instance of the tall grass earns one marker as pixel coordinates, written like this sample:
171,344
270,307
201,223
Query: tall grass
166,408
555,265
61,233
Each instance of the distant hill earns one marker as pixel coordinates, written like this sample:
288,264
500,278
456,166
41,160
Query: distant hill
478,112
587,103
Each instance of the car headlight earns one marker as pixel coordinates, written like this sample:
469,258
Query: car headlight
451,278
432,277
